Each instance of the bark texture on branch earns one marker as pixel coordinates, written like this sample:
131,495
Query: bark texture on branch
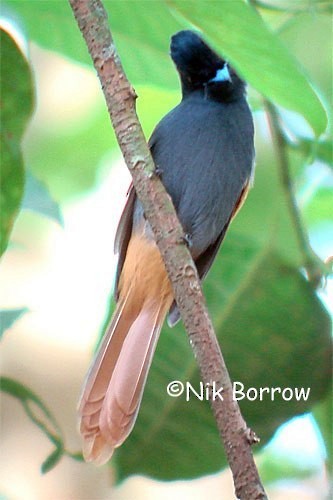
159,211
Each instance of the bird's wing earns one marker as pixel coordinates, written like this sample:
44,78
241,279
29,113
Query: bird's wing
205,260
123,233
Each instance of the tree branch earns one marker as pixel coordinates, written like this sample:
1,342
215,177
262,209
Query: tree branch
159,211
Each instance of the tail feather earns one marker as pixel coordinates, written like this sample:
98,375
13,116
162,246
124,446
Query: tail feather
123,397
98,377
97,449
110,402
114,386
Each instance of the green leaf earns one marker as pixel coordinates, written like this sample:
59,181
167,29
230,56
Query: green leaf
242,37
149,35
265,216
11,186
16,107
270,324
38,199
68,164
257,54
321,150
35,18
26,396
273,468
53,157
8,318
52,460
28,399
307,35
319,208
324,417
242,276
16,88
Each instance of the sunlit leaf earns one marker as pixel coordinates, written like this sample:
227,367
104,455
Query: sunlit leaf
53,157
242,37
16,107
320,207
149,34
257,54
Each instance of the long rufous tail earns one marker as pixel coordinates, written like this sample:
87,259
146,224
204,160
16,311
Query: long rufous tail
114,386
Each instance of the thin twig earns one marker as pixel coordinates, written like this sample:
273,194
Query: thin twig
313,265
159,211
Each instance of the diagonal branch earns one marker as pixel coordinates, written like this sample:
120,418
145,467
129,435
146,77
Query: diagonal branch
159,211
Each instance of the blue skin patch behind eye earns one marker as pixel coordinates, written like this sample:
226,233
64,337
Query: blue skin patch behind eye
222,75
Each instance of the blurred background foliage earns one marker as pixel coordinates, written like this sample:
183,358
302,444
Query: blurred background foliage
273,325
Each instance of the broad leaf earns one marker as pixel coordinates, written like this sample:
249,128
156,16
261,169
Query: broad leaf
320,208
76,156
270,326
234,28
238,31
143,44
16,107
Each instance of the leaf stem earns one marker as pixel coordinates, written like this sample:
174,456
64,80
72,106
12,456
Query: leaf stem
28,400
314,266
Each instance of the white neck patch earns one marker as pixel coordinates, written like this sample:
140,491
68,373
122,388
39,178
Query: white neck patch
222,75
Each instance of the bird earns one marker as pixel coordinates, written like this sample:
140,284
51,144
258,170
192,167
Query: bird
204,152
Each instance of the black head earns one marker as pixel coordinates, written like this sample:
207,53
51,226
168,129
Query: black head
200,68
